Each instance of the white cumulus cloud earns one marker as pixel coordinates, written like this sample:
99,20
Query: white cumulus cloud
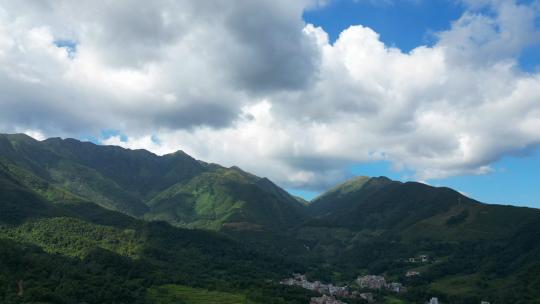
249,83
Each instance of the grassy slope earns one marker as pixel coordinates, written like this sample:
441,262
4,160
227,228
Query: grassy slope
186,295
226,198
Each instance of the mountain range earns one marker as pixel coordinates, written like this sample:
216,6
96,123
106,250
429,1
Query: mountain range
174,187
126,222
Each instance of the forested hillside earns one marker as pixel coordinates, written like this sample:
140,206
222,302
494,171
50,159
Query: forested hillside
83,223
79,252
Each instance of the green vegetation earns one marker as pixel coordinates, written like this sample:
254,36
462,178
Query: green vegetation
226,199
63,259
416,211
457,285
100,224
458,218
74,237
186,295
393,300
48,278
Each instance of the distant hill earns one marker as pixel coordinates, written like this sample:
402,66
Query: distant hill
174,187
477,251
416,210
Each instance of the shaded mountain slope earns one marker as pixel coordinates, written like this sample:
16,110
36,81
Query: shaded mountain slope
56,177
174,187
17,203
136,171
416,210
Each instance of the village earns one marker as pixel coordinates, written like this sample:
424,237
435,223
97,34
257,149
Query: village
331,294
329,291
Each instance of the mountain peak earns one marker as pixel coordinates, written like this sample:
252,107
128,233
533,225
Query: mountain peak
178,153
352,185
18,137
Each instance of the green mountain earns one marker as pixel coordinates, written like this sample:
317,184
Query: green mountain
415,210
174,187
228,199
477,251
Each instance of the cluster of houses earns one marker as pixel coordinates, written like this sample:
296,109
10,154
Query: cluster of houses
325,289
330,292
325,300
379,282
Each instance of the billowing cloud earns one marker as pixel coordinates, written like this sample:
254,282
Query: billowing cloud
248,83
139,65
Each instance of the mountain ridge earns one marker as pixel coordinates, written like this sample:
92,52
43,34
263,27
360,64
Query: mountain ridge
168,187
415,210
132,181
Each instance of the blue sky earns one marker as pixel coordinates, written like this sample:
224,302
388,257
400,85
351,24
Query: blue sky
407,24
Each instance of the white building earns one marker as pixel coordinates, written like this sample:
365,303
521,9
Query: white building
433,301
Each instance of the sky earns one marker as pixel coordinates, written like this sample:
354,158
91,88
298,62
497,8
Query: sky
308,93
